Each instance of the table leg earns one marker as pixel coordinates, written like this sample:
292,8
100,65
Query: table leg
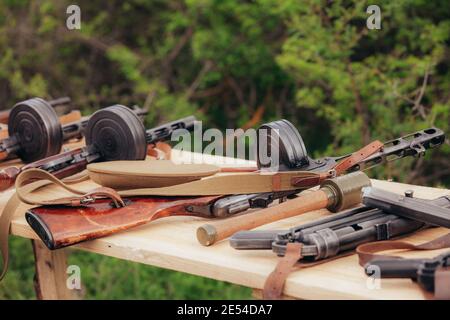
51,274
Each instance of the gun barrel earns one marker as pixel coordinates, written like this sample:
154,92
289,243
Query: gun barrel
60,101
251,240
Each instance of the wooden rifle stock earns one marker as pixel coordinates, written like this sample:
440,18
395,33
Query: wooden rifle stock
61,226
4,116
70,117
8,177
3,132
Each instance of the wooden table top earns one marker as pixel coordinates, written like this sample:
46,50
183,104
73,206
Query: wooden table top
171,243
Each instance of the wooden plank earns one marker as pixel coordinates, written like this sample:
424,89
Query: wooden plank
171,243
51,274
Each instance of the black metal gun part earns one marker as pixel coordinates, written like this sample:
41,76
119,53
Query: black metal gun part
231,205
407,206
283,136
421,270
165,131
333,234
294,156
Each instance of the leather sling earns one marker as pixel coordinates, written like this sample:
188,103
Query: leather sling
218,184
274,284
371,251
24,194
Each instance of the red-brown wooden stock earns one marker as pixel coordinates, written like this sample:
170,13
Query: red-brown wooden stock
60,226
3,132
70,117
4,116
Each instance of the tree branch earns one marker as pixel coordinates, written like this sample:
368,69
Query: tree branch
417,105
359,106
207,66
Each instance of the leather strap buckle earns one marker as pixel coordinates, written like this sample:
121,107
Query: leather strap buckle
86,200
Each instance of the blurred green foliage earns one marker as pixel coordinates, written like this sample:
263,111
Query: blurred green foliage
110,278
313,62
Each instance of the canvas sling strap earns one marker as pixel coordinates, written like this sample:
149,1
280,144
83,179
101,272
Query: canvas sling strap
228,183
24,194
162,179
372,251
291,261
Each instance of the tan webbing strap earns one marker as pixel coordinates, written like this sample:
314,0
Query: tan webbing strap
5,222
150,183
370,251
79,198
226,183
24,194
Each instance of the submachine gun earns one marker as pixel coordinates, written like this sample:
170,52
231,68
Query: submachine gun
433,274
35,132
341,232
112,133
283,136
